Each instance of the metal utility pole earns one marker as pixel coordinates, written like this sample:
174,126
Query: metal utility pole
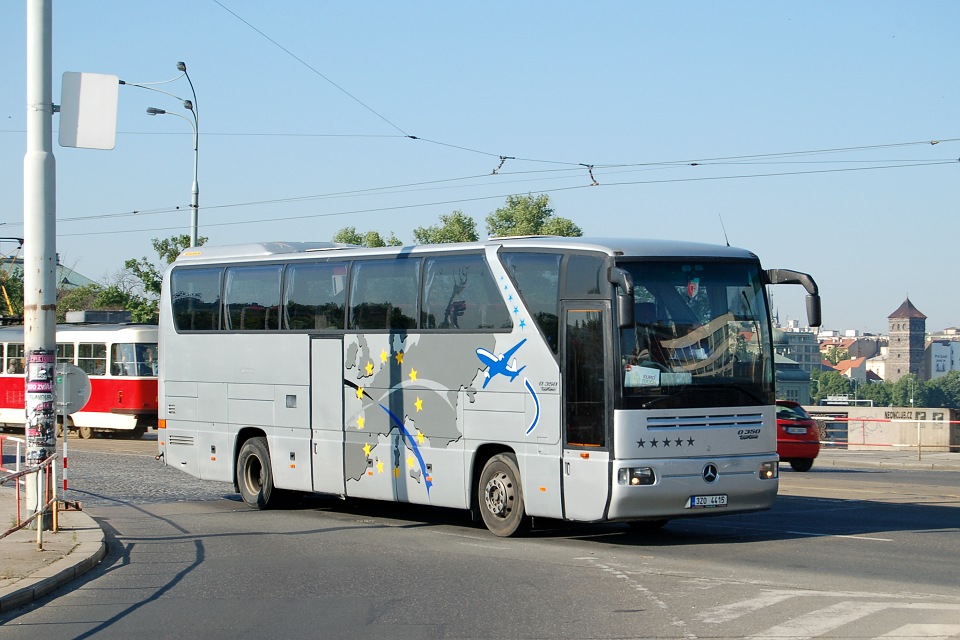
39,247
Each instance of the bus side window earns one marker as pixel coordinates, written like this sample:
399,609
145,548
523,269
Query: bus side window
313,296
459,294
537,276
383,294
250,293
195,297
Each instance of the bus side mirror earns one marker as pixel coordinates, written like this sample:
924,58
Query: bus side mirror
625,308
813,311
786,276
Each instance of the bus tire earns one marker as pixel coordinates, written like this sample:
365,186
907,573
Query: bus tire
85,433
501,496
137,432
801,464
255,474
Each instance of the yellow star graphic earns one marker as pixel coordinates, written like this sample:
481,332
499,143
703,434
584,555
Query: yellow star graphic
360,422
369,368
411,461
419,436
379,466
366,449
418,404
399,357
360,393
396,472
384,356
413,374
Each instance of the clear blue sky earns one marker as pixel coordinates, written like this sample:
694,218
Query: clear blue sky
305,109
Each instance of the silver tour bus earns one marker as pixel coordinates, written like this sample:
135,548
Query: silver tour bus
567,378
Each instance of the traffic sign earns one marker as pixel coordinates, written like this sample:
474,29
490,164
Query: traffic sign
72,388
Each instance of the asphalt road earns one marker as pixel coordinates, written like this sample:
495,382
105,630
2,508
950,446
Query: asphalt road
843,554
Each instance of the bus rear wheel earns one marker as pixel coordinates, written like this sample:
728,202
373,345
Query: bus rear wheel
255,474
501,497
85,433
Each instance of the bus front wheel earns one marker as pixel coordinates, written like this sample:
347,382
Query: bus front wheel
85,432
501,497
255,474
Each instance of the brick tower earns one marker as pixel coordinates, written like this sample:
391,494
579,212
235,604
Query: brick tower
908,330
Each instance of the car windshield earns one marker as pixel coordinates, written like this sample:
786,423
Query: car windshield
700,336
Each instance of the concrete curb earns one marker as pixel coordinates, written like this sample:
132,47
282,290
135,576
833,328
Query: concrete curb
90,550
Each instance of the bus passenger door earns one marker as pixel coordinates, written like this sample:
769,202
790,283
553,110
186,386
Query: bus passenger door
326,413
586,456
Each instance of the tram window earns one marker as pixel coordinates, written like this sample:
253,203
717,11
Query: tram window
460,294
383,294
195,296
92,358
65,352
538,280
14,361
313,296
251,298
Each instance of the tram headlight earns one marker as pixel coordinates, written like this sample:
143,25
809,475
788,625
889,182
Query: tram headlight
769,470
636,477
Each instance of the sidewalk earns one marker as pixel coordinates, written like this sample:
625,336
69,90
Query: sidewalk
887,458
27,574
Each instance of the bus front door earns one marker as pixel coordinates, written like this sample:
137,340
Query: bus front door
586,456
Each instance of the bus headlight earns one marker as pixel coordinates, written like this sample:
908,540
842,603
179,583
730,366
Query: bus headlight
636,477
769,470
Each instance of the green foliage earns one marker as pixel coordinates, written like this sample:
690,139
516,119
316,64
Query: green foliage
149,274
455,227
942,392
529,215
350,235
12,280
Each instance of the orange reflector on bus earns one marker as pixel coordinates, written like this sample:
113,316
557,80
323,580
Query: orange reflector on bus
543,489
162,423
585,456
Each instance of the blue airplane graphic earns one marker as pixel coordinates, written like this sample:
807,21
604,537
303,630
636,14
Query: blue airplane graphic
500,364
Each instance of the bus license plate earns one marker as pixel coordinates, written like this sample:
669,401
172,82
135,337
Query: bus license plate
706,502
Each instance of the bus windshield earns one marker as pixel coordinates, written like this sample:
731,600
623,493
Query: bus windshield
700,337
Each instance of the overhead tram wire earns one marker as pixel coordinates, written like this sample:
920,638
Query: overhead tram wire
502,196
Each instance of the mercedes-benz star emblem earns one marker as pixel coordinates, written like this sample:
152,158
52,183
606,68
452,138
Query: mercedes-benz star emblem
710,473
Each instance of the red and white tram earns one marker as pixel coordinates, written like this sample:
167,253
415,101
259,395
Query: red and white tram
121,360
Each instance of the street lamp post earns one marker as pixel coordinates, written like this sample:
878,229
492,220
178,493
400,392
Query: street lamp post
191,106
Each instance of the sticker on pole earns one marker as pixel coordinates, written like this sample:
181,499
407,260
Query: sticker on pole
72,387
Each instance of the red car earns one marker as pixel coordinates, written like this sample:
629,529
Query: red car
798,436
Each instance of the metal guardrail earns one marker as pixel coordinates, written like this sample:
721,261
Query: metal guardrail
45,476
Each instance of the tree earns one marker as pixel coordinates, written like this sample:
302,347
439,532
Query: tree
529,215
945,390
151,276
879,392
455,227
350,235
13,291
139,285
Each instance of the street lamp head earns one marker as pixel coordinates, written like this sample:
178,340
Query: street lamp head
187,104
182,66
153,111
